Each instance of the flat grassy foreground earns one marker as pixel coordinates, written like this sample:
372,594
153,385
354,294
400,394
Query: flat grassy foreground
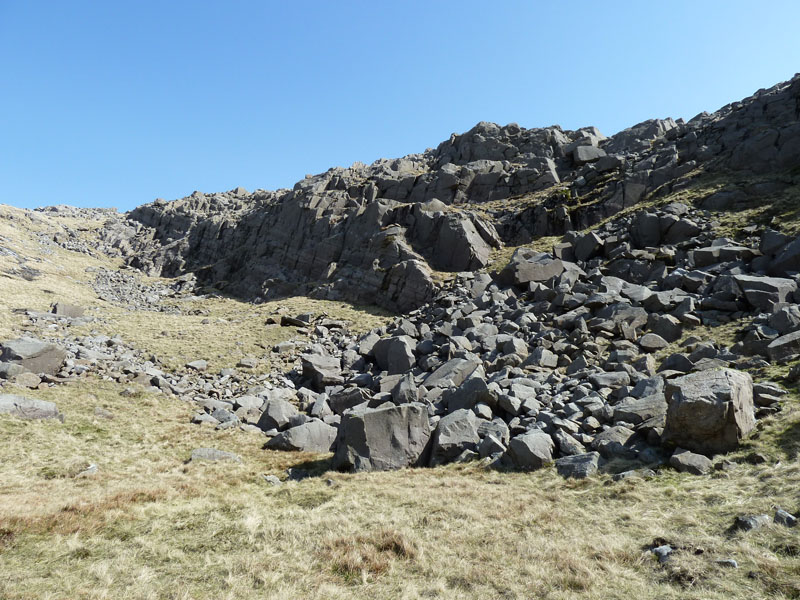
148,525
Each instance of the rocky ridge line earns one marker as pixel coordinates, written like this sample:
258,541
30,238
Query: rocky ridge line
374,234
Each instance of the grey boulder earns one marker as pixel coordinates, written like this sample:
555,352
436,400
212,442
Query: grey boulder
381,439
710,411
764,292
395,354
62,309
784,346
637,410
28,408
321,370
528,266
34,355
277,414
531,450
689,462
455,433
579,466
313,436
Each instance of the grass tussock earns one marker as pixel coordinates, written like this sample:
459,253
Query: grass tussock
361,556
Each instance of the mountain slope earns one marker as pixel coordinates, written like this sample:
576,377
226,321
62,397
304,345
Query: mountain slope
375,233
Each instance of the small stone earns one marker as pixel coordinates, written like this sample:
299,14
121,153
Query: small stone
88,471
272,480
750,522
784,518
102,413
756,458
634,474
728,563
663,552
724,465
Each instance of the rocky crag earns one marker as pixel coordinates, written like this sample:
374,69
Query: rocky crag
376,234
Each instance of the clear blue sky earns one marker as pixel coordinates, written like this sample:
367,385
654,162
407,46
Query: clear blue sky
115,103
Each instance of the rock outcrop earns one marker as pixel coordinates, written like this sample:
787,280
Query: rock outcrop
374,233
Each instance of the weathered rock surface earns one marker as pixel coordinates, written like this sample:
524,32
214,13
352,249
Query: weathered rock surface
313,436
709,412
532,450
383,438
34,355
456,432
28,408
579,466
556,356
689,462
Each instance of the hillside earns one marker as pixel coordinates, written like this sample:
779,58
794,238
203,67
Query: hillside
526,363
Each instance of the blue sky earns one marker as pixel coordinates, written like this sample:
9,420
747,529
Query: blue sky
117,103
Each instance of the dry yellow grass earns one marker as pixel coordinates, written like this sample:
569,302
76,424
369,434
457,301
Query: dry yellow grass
150,526
224,330
62,274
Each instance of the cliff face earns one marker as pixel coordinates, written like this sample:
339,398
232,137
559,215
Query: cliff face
374,233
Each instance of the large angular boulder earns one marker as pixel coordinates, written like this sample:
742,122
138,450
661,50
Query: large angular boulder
34,355
28,408
11,370
452,373
586,154
709,412
458,246
786,320
541,357
395,354
531,450
528,266
277,414
381,439
348,398
788,260
637,410
321,370
313,436
784,346
646,229
470,393
455,433
62,309
764,292
579,466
